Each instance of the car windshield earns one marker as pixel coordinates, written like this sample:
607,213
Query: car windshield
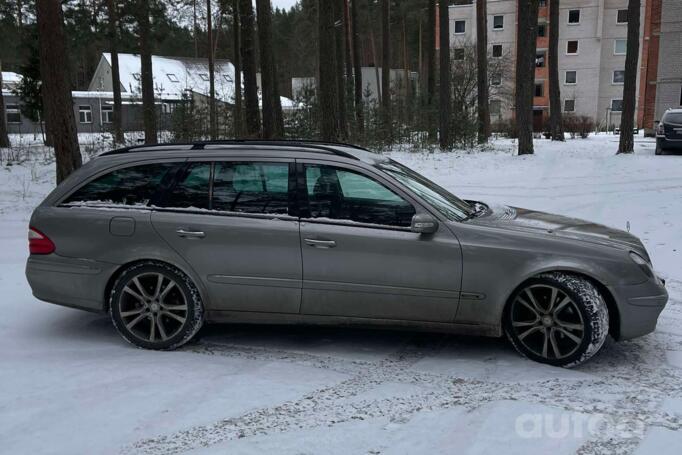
673,117
442,200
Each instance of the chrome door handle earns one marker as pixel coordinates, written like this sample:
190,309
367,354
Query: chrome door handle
320,243
190,234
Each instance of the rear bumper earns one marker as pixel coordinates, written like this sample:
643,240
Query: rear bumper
76,283
639,307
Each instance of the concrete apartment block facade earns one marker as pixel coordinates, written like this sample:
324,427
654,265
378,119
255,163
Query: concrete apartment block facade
669,80
591,53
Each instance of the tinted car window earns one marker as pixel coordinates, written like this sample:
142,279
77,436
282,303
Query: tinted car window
191,188
133,186
251,187
673,117
341,194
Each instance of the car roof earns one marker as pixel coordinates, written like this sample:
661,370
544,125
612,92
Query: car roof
258,147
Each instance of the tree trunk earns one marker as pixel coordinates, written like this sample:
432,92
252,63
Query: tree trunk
386,69
272,107
212,120
526,46
146,76
482,72
444,101
249,68
348,60
115,73
357,69
556,124
627,118
237,62
57,100
4,137
327,85
430,50
340,79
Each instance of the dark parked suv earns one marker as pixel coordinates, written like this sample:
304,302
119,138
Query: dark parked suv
669,132
167,237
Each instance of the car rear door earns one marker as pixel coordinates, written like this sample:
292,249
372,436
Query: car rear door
360,258
233,222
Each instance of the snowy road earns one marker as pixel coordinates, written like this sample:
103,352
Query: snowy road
68,384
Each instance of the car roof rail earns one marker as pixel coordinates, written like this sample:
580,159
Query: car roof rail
324,146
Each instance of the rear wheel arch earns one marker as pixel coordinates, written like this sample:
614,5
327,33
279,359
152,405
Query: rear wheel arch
122,269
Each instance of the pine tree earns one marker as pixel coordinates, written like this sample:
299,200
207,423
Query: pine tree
627,119
146,72
556,126
248,50
273,123
526,47
327,85
482,72
445,95
115,73
57,99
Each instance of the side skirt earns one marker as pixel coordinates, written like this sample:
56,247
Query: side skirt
242,317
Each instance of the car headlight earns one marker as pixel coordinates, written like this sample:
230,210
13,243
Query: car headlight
643,264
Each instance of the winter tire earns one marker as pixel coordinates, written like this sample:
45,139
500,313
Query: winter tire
155,306
558,319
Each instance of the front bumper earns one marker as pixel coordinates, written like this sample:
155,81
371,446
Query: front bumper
639,306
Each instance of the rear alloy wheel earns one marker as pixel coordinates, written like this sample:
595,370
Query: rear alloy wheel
155,306
558,319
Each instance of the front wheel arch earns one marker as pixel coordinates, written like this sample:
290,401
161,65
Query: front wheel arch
609,299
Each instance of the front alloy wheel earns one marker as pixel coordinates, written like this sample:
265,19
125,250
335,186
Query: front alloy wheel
155,306
558,319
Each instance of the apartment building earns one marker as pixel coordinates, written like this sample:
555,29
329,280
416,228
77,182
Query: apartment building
669,74
592,45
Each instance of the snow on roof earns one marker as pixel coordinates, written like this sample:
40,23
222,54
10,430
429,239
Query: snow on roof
11,77
174,76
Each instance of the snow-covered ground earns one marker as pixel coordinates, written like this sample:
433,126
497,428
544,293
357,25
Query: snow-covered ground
69,384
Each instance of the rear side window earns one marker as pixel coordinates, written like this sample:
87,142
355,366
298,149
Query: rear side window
131,186
251,187
191,188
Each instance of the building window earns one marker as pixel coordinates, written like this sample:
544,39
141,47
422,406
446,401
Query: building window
107,114
497,50
542,30
569,105
622,16
572,47
172,77
495,107
540,59
498,22
13,113
458,53
496,79
574,16
539,89
460,27
571,77
85,114
543,3
203,76
616,105
618,77
620,47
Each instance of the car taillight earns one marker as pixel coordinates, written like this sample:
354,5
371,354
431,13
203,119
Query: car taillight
660,129
38,243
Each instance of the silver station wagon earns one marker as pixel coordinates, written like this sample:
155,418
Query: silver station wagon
167,237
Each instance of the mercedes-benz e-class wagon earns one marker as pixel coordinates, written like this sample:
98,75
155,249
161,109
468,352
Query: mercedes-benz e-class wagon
167,237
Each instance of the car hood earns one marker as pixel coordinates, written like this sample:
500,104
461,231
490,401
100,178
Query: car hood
519,219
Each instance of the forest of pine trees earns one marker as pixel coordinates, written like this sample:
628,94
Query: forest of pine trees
57,46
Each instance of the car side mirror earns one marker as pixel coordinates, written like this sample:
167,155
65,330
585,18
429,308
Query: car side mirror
424,224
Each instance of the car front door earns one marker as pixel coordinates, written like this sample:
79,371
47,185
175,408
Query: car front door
232,221
360,258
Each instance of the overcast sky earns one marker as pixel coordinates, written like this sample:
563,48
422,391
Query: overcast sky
283,3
